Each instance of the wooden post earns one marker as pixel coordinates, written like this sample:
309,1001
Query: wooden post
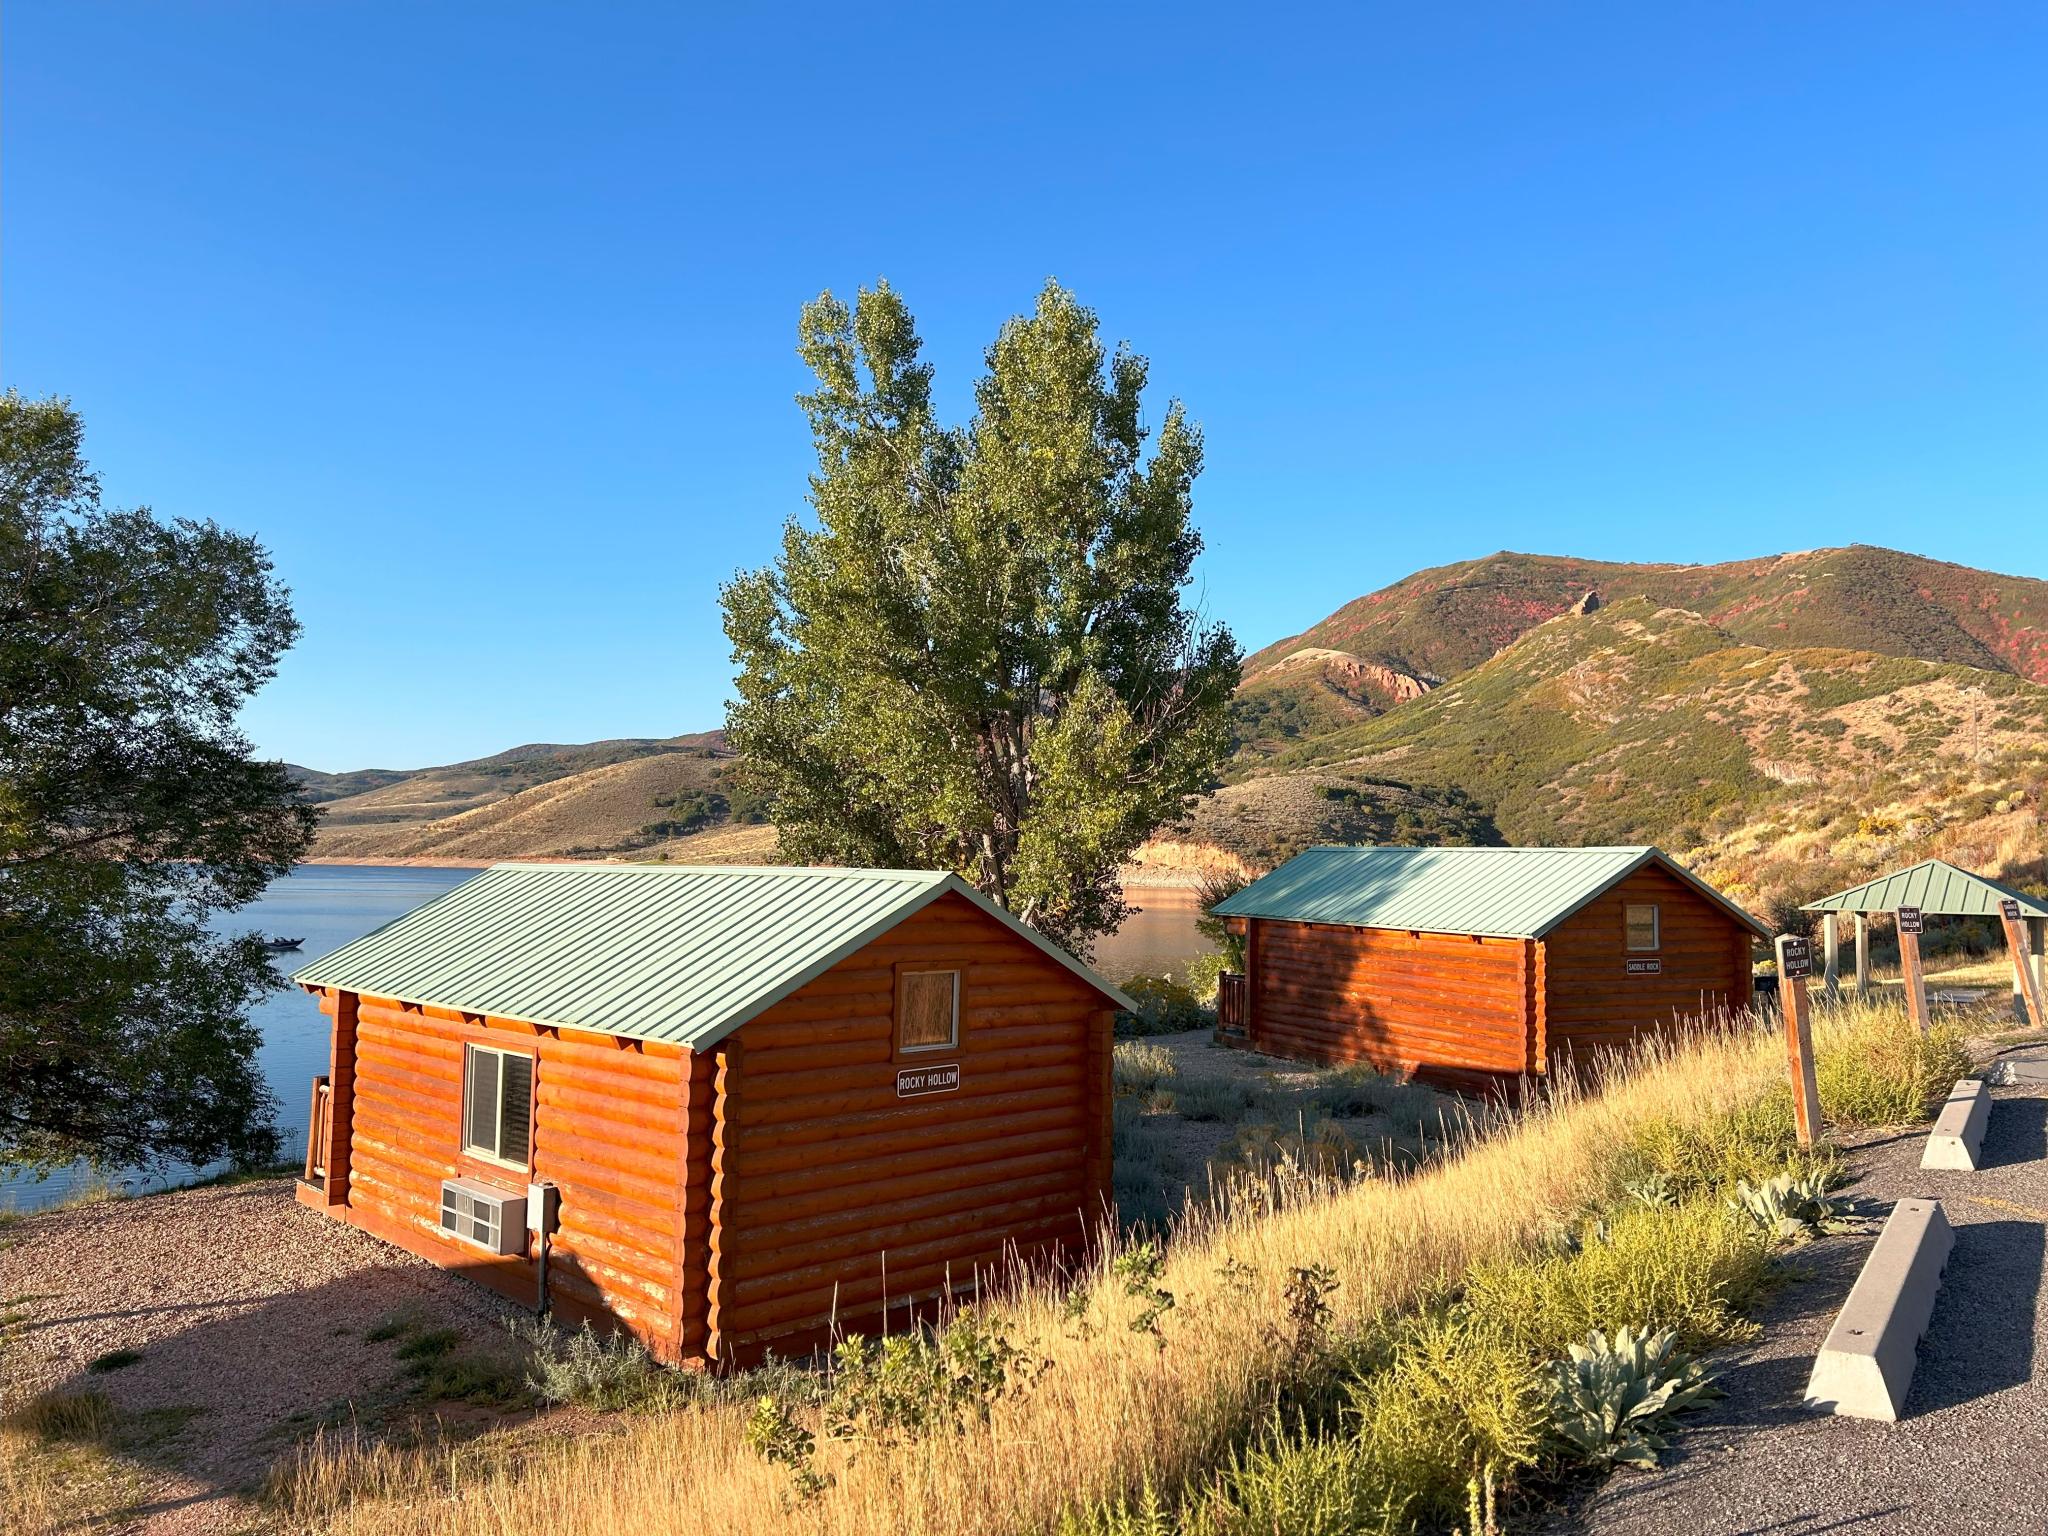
1795,963
1908,919
1831,954
2029,998
1862,954
2037,933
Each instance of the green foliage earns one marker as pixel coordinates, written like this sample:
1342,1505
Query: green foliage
1457,1397
1874,1067
131,813
777,1436
1692,1268
1611,1397
1147,1515
604,1371
979,658
1305,1484
911,1384
1139,1268
1215,889
1792,1207
1165,1007
1709,1157
1139,1066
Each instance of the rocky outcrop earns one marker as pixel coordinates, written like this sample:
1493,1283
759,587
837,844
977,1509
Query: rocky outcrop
1355,673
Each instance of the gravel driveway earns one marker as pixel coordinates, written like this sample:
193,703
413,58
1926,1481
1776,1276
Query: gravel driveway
249,1313
1970,1453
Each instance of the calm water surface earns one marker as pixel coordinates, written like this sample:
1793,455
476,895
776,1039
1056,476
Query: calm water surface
328,905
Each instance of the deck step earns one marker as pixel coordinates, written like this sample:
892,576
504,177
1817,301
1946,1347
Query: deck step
1957,1139
1866,1366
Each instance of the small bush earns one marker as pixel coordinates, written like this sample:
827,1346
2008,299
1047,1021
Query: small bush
608,1372
1211,1099
1690,1268
74,1417
1794,1207
1165,1007
1140,1066
1304,1485
1609,1400
1457,1398
1874,1067
472,1378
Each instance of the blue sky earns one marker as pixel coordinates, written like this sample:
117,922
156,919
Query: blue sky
483,316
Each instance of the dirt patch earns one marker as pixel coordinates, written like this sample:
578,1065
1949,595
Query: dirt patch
228,1321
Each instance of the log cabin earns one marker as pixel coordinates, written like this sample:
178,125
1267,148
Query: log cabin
731,1110
1476,966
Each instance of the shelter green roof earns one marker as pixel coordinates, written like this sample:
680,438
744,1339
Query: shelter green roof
685,954
1932,886
1512,893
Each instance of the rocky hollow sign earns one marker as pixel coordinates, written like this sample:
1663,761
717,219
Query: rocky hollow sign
914,1081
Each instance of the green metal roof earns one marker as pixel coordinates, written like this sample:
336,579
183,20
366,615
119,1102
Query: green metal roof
1507,893
1932,886
654,951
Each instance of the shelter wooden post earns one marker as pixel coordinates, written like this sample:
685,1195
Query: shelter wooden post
2027,995
1862,954
2037,935
1908,920
1795,963
1831,954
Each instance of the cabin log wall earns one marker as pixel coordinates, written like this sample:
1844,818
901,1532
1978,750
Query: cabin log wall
607,1130
833,1198
1590,1000
1396,1000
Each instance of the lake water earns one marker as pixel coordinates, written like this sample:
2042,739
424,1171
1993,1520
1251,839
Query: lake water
328,905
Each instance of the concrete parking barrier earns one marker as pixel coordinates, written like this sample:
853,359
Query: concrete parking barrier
1957,1139
1866,1366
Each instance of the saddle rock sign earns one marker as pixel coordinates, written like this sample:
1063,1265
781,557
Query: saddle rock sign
913,1082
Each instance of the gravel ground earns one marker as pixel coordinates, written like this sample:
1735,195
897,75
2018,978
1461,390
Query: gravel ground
1970,1453
249,1313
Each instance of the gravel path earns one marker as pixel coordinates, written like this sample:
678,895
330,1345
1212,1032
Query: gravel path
249,1313
1970,1453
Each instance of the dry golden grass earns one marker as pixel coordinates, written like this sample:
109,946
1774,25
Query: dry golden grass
1115,1407
57,1471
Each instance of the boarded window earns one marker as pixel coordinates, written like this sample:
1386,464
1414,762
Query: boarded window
927,1010
1642,925
497,1112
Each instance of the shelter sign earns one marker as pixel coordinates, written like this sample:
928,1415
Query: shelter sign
1909,920
1795,957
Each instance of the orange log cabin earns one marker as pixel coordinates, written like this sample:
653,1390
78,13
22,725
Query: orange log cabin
1472,965
727,1109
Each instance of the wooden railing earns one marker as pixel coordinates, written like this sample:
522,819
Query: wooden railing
316,1132
1232,999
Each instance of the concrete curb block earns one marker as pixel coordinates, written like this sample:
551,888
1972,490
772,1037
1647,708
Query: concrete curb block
1866,1366
1957,1139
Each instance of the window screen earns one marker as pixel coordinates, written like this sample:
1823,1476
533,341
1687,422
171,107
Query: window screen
927,1010
497,1114
1642,926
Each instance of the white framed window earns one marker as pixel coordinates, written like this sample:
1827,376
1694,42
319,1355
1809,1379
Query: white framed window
497,1105
1640,918
927,1011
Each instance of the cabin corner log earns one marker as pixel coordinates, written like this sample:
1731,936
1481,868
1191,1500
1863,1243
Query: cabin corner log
723,1202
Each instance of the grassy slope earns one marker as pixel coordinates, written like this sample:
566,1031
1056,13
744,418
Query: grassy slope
1113,1408
527,802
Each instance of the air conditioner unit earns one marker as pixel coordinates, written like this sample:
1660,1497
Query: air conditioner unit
493,1219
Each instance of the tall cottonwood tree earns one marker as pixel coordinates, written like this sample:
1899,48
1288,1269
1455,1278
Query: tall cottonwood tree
979,658
130,812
